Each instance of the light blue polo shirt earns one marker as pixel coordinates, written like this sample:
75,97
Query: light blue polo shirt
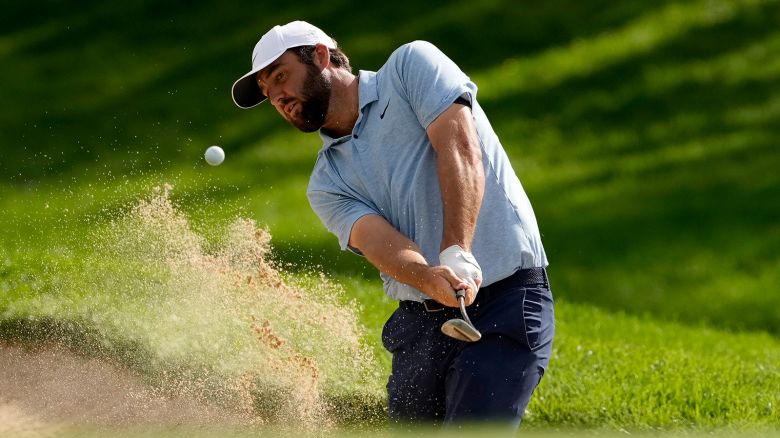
387,167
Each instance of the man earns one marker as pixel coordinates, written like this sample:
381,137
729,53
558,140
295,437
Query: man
412,176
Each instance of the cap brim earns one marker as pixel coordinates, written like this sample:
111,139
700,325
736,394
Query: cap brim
246,93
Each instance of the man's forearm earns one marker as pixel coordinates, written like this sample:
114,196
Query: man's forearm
397,256
460,172
462,184
399,259
390,251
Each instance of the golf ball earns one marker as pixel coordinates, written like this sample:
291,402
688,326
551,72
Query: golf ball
214,155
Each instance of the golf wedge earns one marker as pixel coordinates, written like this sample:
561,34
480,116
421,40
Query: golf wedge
461,329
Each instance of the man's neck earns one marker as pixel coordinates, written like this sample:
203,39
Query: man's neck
343,108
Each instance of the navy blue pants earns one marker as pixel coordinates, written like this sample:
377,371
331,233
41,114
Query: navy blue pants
437,379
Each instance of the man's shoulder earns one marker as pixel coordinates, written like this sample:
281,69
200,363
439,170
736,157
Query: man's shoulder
416,46
411,51
413,60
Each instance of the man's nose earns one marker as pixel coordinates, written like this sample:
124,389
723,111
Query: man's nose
276,96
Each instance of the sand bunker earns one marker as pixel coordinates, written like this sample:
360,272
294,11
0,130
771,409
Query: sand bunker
46,389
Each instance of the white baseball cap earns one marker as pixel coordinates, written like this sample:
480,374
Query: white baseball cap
272,45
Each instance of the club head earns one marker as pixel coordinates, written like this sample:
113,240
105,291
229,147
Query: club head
461,330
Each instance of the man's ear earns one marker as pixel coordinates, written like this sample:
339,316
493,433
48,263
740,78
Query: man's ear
321,56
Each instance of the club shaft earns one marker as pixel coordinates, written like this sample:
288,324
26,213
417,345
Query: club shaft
462,304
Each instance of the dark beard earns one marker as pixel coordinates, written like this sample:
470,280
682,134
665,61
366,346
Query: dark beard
315,99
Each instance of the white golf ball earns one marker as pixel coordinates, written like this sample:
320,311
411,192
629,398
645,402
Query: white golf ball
214,155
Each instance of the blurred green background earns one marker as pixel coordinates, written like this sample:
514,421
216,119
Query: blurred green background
645,133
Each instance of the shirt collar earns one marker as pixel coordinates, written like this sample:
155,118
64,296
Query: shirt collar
367,93
367,88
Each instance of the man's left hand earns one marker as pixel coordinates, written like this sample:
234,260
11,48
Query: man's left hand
464,265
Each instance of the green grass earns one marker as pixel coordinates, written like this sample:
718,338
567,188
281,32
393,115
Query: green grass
644,132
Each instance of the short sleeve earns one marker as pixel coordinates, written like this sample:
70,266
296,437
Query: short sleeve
430,80
338,212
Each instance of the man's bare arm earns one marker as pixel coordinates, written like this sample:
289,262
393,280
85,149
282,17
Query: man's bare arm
397,256
461,175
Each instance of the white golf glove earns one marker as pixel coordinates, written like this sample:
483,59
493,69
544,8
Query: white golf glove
463,263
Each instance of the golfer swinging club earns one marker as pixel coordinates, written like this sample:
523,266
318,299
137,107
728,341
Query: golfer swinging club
412,176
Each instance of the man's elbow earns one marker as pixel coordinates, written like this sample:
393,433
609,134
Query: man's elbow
359,236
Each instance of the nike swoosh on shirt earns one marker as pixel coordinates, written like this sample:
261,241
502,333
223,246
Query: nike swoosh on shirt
382,116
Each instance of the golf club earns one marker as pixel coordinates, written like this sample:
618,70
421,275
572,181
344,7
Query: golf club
461,329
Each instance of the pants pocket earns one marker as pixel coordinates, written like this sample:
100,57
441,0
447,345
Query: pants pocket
538,317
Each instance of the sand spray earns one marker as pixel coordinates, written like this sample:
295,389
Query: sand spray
218,322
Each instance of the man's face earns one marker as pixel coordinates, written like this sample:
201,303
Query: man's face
299,92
